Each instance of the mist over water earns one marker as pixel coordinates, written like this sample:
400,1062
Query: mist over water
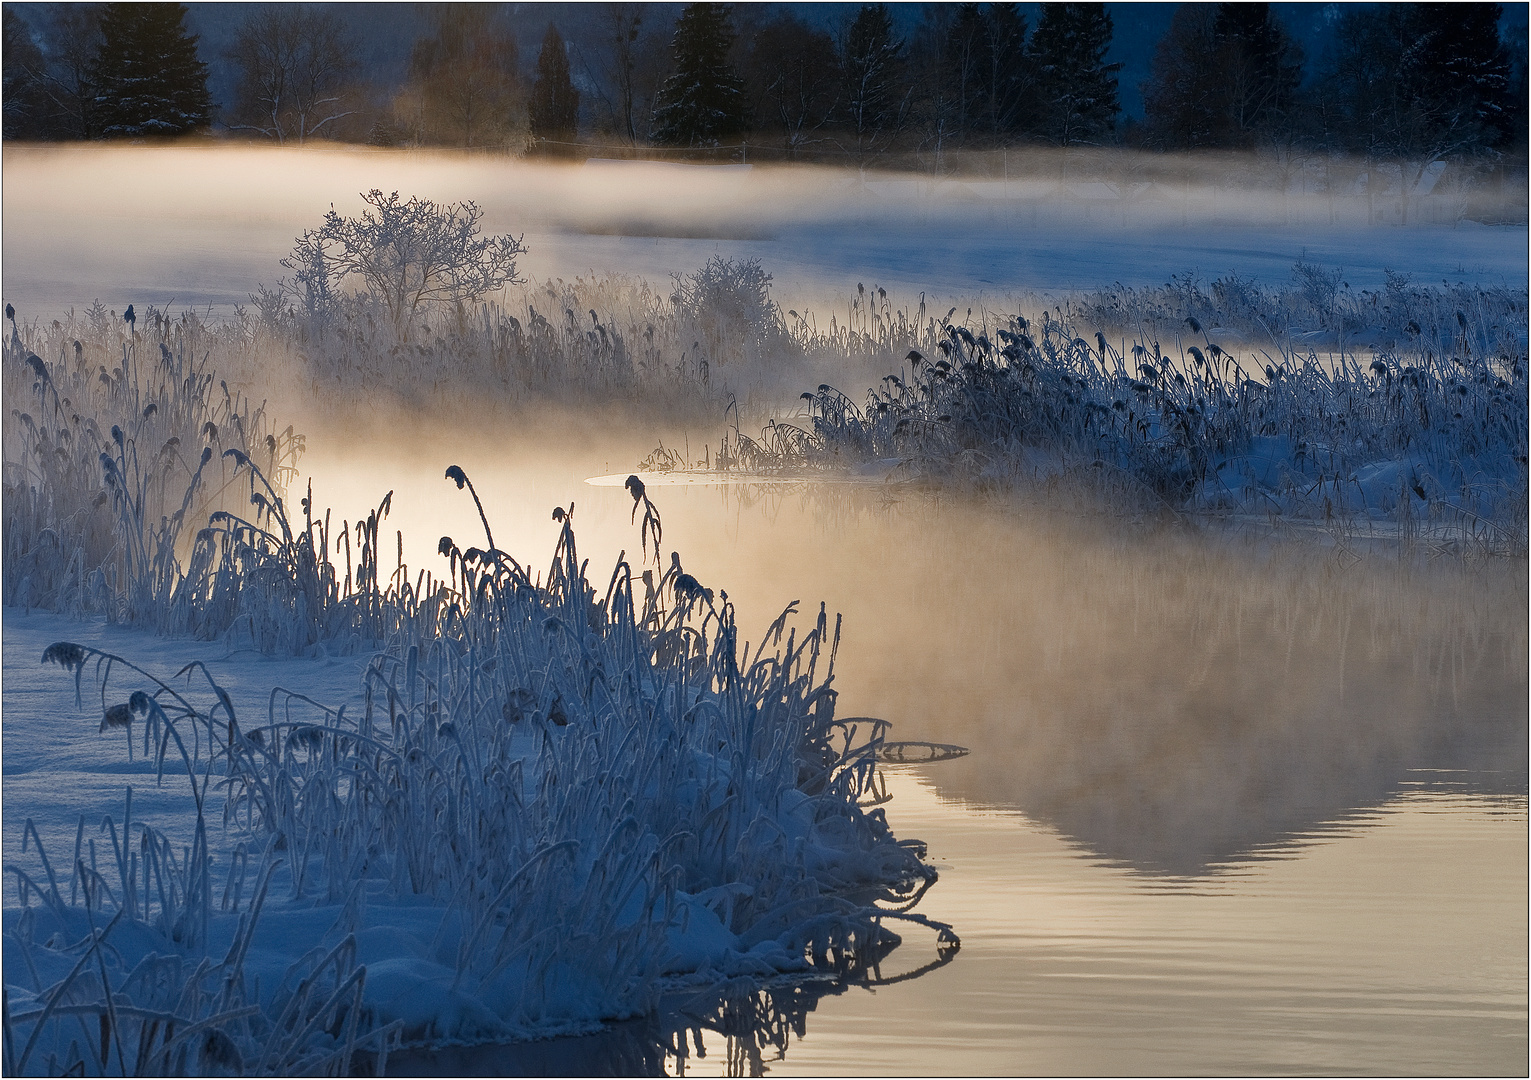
1153,718
203,226
1173,700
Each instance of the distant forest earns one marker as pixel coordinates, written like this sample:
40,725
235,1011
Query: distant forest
941,87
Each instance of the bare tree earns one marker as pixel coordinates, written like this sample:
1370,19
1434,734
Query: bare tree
69,78
294,63
464,89
623,23
792,73
409,256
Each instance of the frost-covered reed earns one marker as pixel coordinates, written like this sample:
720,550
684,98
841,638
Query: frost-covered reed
665,353
587,792
1424,430
114,454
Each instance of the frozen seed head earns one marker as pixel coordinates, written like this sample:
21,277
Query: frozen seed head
118,716
66,654
455,474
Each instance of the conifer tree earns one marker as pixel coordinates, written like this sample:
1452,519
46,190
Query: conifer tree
1420,81
1075,88
1006,80
1222,76
553,110
1457,72
1181,97
702,103
149,80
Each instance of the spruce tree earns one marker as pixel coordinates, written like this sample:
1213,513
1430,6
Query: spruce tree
1076,96
1418,81
1223,76
1006,81
554,106
1182,100
1457,72
702,103
149,78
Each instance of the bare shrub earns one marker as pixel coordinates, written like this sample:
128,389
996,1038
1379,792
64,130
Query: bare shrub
728,307
411,257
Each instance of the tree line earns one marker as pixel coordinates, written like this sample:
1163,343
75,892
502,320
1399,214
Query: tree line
1408,81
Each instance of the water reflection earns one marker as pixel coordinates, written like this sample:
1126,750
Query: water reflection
1174,702
749,1022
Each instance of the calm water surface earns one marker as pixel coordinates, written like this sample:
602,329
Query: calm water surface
1390,945
1228,810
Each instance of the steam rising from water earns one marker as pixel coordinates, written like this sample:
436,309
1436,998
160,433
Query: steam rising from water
205,225
1172,701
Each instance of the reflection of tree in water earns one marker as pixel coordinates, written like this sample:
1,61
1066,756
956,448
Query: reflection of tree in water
1173,699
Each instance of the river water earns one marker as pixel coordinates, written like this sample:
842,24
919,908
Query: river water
1232,806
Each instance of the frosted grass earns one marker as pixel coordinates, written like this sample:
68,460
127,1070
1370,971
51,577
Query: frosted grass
1401,412
114,454
571,796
